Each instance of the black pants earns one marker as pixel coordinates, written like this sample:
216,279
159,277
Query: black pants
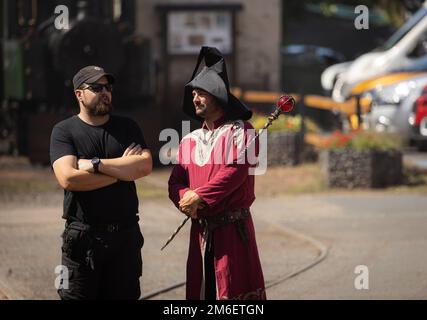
101,264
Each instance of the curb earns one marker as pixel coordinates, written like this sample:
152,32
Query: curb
321,248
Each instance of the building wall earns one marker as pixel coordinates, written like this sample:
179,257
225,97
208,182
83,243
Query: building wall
259,37
258,31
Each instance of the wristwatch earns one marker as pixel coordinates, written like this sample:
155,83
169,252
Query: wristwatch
95,164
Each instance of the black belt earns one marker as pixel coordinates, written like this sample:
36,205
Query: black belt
113,227
110,227
236,217
224,218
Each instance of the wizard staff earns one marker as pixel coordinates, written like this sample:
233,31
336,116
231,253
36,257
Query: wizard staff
285,104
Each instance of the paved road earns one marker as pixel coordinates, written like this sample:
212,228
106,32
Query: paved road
387,233
30,250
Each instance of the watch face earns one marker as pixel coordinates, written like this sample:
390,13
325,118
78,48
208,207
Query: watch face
95,163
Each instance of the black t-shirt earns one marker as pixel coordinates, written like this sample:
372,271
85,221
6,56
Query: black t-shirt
117,203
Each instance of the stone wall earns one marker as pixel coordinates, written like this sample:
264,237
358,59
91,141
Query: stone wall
362,169
288,148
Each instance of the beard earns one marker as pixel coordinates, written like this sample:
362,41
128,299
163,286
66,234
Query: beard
99,109
201,110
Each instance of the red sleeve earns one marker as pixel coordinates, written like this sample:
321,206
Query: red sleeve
228,179
178,184
178,180
230,176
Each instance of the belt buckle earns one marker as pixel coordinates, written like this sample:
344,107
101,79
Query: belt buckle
112,228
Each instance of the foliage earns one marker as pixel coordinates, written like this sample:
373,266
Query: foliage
395,11
363,140
284,123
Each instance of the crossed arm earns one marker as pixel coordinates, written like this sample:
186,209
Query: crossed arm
77,175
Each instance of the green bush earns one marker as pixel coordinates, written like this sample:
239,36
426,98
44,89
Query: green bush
284,123
363,140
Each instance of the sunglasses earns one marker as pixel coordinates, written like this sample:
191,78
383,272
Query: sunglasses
97,87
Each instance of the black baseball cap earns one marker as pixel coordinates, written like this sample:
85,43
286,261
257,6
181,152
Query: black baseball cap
90,74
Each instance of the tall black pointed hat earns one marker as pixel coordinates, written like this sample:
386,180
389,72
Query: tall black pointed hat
213,79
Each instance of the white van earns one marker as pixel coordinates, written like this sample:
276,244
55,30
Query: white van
402,49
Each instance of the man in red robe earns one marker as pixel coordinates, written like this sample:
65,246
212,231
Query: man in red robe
213,183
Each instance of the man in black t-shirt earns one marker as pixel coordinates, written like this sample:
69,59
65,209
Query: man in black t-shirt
96,157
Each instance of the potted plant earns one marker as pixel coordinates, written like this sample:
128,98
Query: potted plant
362,159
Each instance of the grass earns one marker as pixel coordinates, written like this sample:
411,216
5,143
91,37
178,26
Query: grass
305,178
413,182
25,182
27,186
147,191
308,178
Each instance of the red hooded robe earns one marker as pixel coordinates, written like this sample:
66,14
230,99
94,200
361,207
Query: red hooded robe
207,166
